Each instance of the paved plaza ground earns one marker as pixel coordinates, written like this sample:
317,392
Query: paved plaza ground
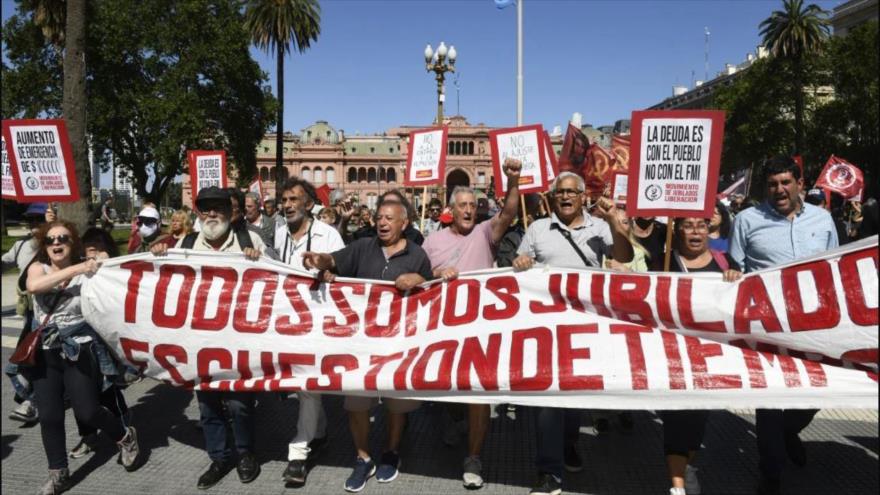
842,447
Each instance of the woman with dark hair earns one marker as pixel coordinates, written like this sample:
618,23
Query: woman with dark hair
683,430
719,228
72,358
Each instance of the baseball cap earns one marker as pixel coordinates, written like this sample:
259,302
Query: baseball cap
149,212
35,209
211,194
815,196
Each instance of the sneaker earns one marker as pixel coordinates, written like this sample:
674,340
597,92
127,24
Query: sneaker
25,412
473,469
691,482
359,476
601,425
248,467
388,467
493,412
573,462
547,485
58,482
85,446
214,474
511,412
795,449
129,450
626,421
295,472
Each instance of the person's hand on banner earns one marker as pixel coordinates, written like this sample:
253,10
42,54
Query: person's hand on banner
446,273
523,262
732,275
512,168
252,254
89,267
326,276
318,261
159,249
407,281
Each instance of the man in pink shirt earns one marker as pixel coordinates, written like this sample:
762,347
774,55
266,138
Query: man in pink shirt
467,246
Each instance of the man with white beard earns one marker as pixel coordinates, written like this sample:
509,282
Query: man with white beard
215,211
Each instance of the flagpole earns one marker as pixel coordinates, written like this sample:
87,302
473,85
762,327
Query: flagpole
519,62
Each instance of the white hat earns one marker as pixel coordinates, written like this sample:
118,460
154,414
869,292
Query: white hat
149,212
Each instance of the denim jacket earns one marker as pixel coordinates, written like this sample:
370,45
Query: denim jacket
63,339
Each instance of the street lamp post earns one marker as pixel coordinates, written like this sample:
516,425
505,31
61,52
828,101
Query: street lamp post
439,62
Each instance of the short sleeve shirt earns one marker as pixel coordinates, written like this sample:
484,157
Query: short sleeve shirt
475,251
545,242
364,258
320,238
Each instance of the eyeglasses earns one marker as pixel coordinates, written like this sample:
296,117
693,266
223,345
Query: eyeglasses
567,192
700,227
60,239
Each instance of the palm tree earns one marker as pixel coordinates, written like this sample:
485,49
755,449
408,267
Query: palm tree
793,34
279,25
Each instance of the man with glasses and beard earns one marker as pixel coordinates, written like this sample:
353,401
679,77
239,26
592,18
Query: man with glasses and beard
218,234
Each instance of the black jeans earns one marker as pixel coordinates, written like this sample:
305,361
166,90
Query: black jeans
240,407
683,431
114,401
772,426
80,380
557,427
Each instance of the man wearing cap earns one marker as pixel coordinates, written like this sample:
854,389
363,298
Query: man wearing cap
148,229
780,230
21,254
215,212
263,225
303,233
468,246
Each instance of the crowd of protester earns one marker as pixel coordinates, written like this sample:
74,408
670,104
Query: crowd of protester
565,228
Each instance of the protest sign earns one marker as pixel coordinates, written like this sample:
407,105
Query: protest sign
256,187
803,335
674,162
40,160
574,150
550,157
525,144
619,187
8,184
426,158
206,169
842,177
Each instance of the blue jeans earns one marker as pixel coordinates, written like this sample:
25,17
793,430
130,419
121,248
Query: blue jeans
556,428
240,407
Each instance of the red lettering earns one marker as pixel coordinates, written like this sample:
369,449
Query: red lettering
597,294
224,302
698,352
483,361
267,363
638,369
376,365
664,308
403,367
685,309
417,298
568,380
504,288
329,365
162,352
134,282
264,307
166,273
543,359
471,299
554,287
827,315
629,302
129,346
572,293
753,303
371,327
347,329
286,363
673,360
444,370
283,325
856,302
244,372
209,355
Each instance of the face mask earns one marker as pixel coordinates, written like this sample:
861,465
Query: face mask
147,231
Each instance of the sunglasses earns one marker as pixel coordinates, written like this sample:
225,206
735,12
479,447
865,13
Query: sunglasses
147,221
61,239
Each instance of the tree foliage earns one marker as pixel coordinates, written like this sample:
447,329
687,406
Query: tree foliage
164,76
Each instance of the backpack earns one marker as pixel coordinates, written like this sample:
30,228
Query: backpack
241,235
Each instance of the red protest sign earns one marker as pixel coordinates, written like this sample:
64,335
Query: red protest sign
206,169
426,157
40,161
525,144
675,156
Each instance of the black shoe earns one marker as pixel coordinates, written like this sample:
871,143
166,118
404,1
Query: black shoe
626,421
769,486
601,425
573,462
547,485
214,474
248,467
795,449
295,472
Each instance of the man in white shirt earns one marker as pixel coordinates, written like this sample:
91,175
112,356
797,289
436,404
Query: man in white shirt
303,233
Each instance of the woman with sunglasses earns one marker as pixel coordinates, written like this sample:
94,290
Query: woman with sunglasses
72,357
683,430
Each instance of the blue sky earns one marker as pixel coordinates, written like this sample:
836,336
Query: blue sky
601,58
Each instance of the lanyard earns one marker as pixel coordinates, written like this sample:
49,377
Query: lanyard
290,241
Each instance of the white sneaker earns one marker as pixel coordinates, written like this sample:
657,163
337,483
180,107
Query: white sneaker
473,473
26,412
691,482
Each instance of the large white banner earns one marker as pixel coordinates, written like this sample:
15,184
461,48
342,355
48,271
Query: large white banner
803,335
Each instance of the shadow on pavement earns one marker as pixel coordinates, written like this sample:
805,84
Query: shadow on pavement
6,447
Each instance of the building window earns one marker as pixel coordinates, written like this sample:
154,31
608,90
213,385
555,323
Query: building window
451,149
372,149
306,174
481,178
371,175
390,150
331,175
352,175
371,200
319,176
362,174
381,174
265,149
471,148
458,147
391,175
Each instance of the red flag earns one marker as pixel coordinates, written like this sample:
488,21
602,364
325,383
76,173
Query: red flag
598,169
620,148
574,150
841,177
324,194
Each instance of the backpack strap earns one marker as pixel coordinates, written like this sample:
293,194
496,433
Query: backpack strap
567,235
189,241
243,237
720,259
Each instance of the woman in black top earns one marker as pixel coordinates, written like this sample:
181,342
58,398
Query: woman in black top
683,430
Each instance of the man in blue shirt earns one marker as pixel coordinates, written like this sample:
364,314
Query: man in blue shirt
780,230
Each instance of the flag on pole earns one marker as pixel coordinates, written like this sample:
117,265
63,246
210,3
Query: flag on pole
324,194
597,169
740,184
843,178
574,150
